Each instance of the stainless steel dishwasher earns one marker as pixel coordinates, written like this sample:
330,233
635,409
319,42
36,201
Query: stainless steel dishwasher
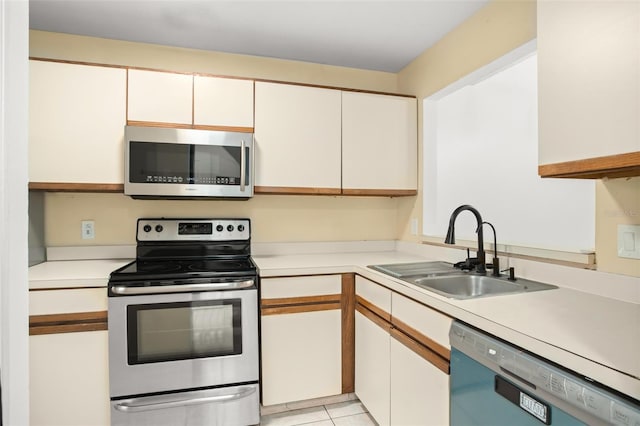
496,384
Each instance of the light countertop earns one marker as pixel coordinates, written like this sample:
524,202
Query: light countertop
595,336
73,273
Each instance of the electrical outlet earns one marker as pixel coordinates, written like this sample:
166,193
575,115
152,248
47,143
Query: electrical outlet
414,226
629,241
88,230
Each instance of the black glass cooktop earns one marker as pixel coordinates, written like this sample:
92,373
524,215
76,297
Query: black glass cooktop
184,268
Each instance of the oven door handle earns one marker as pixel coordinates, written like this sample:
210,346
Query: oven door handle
126,290
160,402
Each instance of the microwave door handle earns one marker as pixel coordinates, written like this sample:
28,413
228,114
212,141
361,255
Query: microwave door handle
243,168
125,290
158,403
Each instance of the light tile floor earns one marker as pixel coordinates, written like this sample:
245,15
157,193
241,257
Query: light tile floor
349,413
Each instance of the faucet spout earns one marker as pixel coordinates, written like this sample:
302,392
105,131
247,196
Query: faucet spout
451,238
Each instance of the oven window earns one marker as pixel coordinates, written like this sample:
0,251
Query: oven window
183,330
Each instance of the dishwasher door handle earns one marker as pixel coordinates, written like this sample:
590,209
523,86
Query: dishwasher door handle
148,403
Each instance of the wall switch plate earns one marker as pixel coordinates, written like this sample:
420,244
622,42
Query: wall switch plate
88,230
629,241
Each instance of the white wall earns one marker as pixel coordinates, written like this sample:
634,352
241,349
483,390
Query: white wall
14,311
480,148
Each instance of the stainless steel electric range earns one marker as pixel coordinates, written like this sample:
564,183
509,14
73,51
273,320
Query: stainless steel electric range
183,326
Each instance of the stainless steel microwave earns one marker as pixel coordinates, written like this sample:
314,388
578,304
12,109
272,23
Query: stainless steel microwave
187,163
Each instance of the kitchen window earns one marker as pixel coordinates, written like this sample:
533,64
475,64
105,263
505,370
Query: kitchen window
481,148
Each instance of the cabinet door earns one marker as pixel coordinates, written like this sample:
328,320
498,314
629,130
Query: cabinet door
297,133
419,391
589,79
379,143
69,379
76,123
301,356
372,384
223,102
160,97
425,320
301,338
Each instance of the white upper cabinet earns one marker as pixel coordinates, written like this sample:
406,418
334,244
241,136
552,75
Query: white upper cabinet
76,123
297,133
223,102
589,80
160,97
379,143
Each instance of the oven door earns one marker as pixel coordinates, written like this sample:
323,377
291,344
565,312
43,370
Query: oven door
175,341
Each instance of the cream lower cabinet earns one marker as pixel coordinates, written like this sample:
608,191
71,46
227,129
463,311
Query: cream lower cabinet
402,358
301,338
419,390
419,386
77,115
69,379
68,368
373,361
372,358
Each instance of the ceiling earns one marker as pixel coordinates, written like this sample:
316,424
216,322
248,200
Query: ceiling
375,35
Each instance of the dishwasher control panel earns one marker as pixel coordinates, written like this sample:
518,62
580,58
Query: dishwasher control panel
519,365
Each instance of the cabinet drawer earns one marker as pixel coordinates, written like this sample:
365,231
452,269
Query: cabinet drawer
425,320
48,302
318,285
374,293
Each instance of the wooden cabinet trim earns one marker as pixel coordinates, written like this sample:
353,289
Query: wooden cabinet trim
67,323
292,305
373,308
76,187
380,192
348,332
344,89
301,300
296,309
432,357
612,166
414,334
377,320
189,126
285,190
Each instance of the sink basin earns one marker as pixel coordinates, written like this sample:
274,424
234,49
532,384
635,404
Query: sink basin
444,279
422,269
469,286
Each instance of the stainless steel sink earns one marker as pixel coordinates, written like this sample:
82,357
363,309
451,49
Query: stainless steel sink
403,270
470,286
443,279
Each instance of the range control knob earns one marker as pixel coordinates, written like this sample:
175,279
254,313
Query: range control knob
159,228
219,228
240,228
230,228
146,228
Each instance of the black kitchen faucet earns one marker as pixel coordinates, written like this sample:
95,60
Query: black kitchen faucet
451,238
